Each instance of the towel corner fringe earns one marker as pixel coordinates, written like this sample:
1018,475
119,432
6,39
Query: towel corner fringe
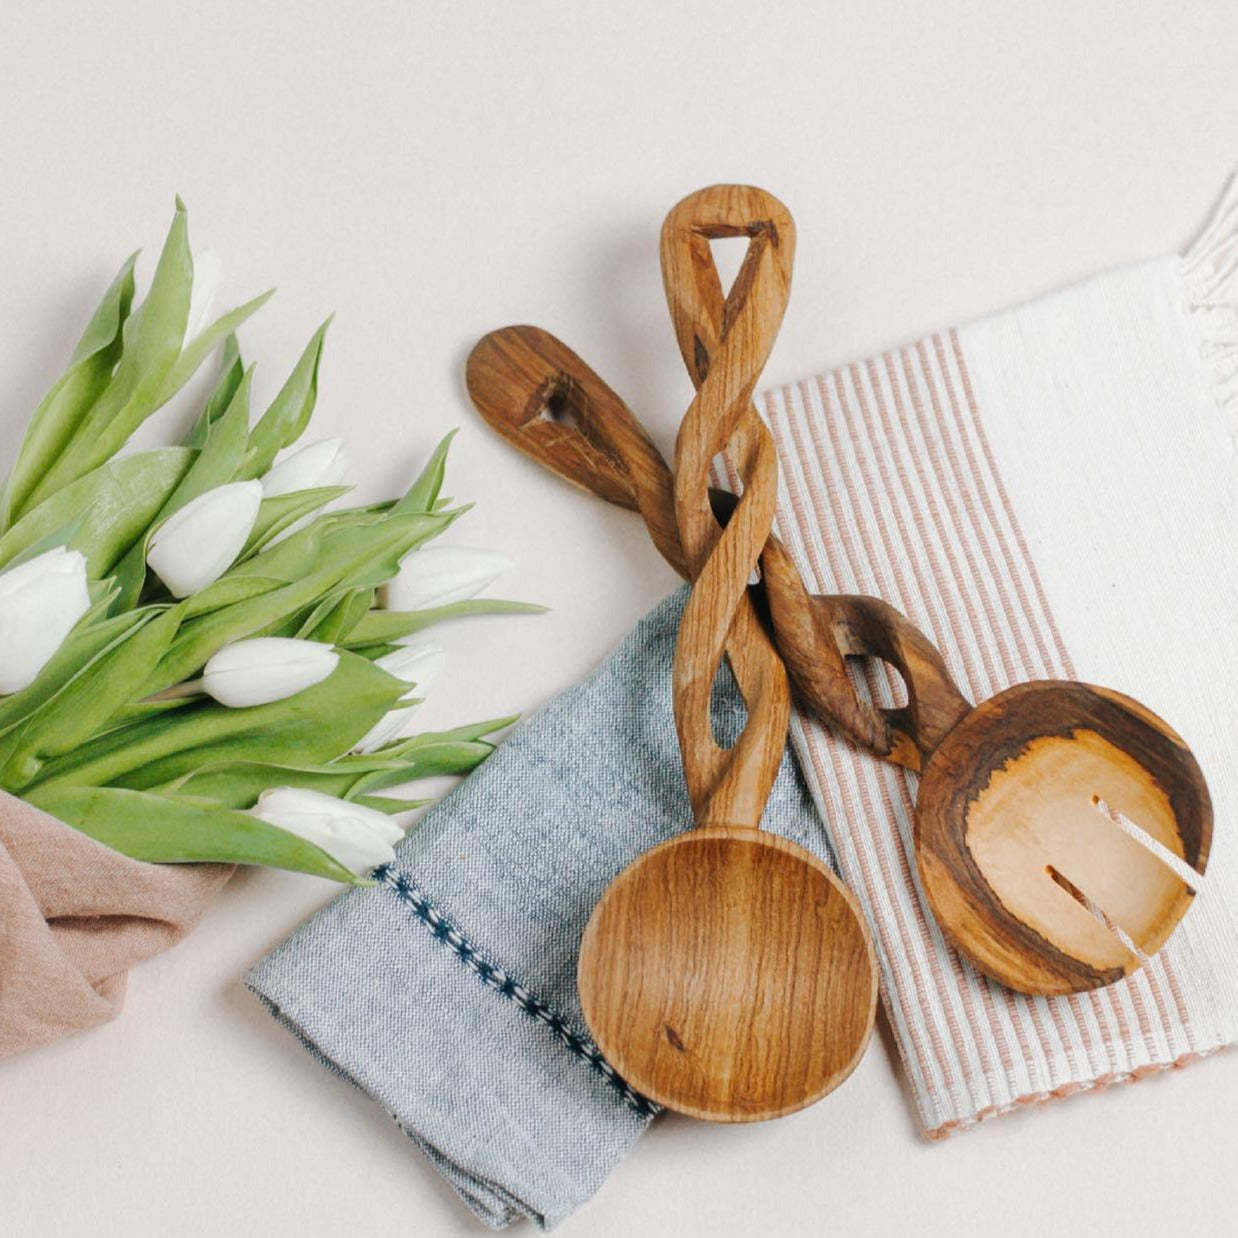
1210,272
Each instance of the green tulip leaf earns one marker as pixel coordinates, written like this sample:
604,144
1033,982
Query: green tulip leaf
64,407
151,342
231,371
216,464
140,711
67,535
388,805
374,652
383,627
336,615
349,613
206,341
163,829
431,754
285,421
239,783
423,494
91,637
119,500
221,455
282,511
467,734
227,591
284,562
435,760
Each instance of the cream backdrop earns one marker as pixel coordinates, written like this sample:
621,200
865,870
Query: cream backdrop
429,172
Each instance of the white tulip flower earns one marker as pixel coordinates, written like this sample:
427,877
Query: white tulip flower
357,837
40,602
198,543
417,664
324,463
207,269
441,575
265,669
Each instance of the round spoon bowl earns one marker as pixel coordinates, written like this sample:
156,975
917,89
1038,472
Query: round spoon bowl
729,975
1044,821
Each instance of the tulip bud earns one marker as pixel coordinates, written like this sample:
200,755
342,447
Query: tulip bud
40,601
419,665
199,542
441,575
266,669
319,464
207,269
357,837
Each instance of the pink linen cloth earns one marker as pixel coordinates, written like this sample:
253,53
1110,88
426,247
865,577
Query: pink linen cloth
74,917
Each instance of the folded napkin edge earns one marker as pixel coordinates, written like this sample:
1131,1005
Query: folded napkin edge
496,1213
485,1157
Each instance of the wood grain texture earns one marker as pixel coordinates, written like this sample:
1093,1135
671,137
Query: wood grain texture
727,973
687,957
548,403
544,400
725,341
969,887
1017,848
867,627
1017,793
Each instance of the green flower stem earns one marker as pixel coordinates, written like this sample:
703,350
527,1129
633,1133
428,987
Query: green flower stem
313,726
161,829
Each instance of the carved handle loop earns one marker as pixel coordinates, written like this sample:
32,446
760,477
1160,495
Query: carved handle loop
540,396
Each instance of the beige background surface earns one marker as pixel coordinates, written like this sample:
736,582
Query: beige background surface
430,172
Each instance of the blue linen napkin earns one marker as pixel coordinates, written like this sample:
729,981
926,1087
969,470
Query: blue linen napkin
448,990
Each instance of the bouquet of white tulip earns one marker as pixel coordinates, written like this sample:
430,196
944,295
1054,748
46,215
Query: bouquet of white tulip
197,661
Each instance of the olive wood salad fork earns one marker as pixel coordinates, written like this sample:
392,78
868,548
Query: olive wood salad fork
1057,824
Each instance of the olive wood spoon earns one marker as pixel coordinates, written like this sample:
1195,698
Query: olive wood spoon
727,973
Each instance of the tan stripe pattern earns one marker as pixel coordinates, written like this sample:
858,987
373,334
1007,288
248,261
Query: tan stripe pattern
889,487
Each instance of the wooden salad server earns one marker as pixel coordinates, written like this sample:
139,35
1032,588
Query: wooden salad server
1044,816
727,973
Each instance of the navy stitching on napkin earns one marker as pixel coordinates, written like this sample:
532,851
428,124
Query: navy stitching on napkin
409,893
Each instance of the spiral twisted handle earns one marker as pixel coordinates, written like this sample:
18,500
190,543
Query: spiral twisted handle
725,341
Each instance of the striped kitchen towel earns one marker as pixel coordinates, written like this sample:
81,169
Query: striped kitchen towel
1048,493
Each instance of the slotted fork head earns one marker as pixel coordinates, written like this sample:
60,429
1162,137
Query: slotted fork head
1015,835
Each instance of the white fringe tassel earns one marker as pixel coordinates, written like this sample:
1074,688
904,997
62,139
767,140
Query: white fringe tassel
1210,269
